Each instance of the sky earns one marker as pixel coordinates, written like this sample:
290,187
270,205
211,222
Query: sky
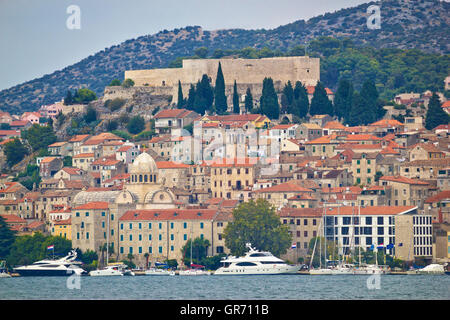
35,39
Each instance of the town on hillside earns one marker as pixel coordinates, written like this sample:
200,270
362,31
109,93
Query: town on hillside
93,170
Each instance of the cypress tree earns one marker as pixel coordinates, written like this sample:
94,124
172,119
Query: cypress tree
301,100
181,101
248,100
269,100
357,112
287,99
68,100
204,96
435,115
236,108
343,99
320,104
219,92
191,98
373,110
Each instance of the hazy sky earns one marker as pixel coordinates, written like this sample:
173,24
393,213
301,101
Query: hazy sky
35,41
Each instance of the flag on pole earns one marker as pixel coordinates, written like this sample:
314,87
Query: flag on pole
380,246
372,247
390,246
294,246
52,247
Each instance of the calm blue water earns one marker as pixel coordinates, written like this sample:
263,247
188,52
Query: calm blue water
280,287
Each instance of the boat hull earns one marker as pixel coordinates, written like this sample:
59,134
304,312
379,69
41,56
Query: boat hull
258,271
44,273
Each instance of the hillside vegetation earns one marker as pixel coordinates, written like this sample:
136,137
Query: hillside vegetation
414,24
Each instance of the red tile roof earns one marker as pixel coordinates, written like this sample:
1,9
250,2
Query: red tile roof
284,187
171,165
172,113
100,205
439,197
401,179
169,214
84,155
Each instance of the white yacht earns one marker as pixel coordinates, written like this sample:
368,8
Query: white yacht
195,270
62,267
430,269
159,272
118,269
372,269
255,262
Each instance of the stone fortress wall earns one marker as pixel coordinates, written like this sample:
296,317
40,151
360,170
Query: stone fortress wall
248,73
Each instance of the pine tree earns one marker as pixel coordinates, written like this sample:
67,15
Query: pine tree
204,96
320,104
219,92
236,108
301,100
435,115
248,100
181,100
343,99
269,100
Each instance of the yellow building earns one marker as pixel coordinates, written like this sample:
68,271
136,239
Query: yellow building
232,179
62,228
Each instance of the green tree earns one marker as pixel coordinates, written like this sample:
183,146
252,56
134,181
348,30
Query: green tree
256,222
236,108
127,83
68,100
301,100
357,114
7,238
199,250
269,100
220,99
201,52
91,115
435,115
320,104
39,137
15,151
248,100
84,96
191,98
136,125
343,99
115,82
181,101
373,110
287,99
204,96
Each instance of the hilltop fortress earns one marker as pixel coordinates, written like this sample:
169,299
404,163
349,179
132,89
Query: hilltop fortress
248,73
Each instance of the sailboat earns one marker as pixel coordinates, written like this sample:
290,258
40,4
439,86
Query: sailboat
320,270
115,269
194,269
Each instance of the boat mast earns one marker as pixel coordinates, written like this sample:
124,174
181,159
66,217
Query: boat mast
359,223
325,235
107,238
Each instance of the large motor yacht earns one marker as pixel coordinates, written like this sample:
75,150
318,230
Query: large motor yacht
255,262
65,266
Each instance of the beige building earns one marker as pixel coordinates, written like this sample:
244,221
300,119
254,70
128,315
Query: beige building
424,169
232,179
406,191
163,233
324,146
364,167
424,151
303,226
279,195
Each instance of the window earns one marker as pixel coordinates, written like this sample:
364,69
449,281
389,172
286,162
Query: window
149,225
131,226
87,214
368,220
380,230
185,225
131,237
201,225
380,220
140,225
185,237
87,235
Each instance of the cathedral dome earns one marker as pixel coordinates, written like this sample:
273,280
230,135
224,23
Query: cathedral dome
143,163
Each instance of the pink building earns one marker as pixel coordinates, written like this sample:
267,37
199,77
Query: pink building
51,111
32,117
